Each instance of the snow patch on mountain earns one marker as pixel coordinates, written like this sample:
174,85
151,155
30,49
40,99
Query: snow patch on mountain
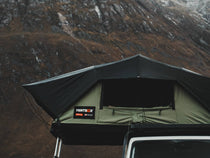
98,11
200,7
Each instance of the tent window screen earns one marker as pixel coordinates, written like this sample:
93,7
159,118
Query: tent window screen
137,93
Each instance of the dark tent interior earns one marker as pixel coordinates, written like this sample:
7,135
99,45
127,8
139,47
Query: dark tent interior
145,93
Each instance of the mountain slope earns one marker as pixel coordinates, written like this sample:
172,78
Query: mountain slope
43,38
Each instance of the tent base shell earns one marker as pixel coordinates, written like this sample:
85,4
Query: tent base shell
77,134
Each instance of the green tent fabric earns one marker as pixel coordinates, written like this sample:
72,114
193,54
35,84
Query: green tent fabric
187,111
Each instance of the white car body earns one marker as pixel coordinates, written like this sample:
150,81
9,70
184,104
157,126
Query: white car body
153,138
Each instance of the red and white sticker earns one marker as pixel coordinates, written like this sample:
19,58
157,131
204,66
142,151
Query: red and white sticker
84,112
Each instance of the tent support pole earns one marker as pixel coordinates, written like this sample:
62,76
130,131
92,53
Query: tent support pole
57,148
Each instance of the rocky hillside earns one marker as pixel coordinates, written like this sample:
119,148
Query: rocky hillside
44,38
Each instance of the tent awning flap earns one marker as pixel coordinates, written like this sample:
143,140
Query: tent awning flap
57,94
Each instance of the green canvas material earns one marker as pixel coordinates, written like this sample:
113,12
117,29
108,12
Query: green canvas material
187,111
92,98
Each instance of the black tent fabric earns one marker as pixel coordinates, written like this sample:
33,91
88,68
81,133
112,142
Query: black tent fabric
57,94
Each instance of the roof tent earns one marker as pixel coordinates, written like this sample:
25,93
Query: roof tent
97,105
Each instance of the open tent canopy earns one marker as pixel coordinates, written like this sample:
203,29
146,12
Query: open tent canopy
96,105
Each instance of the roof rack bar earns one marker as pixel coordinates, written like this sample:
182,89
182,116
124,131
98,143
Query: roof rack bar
169,126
